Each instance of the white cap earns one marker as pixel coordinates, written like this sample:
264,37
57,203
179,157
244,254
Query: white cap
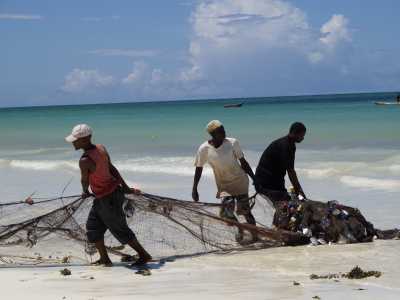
214,124
79,131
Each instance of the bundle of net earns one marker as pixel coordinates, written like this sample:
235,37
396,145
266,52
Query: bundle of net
52,231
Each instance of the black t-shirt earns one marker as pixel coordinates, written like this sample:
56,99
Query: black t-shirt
276,159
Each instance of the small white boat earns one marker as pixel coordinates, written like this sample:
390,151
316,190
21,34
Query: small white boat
387,103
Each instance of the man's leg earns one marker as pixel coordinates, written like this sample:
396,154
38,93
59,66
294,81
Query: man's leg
144,256
277,198
95,230
115,220
243,208
250,218
228,212
104,258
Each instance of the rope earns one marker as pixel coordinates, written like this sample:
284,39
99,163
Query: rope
38,202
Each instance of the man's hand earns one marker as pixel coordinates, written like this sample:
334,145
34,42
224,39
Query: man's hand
195,195
301,195
295,182
29,201
197,176
136,191
85,195
128,190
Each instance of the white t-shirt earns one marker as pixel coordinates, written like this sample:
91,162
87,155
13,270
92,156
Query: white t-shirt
229,175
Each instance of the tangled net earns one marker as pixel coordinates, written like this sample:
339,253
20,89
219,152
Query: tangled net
166,227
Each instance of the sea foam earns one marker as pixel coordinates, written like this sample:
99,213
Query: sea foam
182,166
371,183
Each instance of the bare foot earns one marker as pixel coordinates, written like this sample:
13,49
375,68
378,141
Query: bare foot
142,260
100,262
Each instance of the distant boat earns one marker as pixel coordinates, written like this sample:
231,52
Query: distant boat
386,103
233,105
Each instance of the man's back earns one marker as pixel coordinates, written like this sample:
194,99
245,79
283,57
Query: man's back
276,159
101,180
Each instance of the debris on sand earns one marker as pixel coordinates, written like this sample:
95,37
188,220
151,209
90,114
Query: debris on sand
317,297
327,276
296,283
65,272
358,273
66,259
355,273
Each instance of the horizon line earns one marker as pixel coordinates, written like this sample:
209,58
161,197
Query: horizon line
198,99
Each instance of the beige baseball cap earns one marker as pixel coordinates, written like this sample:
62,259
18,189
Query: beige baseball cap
79,131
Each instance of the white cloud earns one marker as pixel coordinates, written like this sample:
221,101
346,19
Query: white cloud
230,22
259,47
252,48
335,31
20,17
125,52
243,47
99,19
236,41
157,75
140,73
79,80
147,82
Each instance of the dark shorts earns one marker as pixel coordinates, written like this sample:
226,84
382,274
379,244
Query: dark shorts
243,206
280,200
276,196
107,213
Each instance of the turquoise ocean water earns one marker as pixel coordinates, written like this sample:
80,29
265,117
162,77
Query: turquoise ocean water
350,151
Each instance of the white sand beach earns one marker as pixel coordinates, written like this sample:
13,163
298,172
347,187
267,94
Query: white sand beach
262,274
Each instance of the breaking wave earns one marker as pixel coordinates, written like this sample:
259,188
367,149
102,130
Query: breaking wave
14,153
182,166
378,175
371,183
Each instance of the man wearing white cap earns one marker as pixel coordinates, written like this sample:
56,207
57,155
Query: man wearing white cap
108,187
230,168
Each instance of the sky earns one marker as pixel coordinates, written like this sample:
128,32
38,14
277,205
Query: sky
94,51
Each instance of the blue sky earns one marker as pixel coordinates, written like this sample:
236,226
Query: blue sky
72,52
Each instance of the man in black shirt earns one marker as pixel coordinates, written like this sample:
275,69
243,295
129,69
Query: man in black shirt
276,160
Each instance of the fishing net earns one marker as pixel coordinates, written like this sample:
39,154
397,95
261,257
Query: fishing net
53,230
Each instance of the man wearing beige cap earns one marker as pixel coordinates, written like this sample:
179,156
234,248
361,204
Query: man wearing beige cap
231,171
108,187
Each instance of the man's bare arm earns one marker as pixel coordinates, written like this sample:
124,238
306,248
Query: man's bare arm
196,180
246,167
125,187
295,182
114,172
86,165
